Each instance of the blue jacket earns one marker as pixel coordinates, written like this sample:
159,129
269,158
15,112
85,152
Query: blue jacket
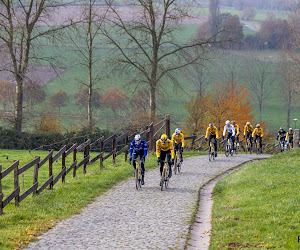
141,146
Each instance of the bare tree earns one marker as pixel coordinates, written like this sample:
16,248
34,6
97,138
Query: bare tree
85,38
214,11
146,36
259,77
21,24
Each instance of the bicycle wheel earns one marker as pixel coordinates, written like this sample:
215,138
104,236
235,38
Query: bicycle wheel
227,151
162,180
136,178
179,167
166,175
140,178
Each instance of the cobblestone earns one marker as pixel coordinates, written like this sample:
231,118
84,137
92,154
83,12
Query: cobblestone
124,218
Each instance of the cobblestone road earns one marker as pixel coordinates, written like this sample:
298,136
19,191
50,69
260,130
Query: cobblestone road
124,218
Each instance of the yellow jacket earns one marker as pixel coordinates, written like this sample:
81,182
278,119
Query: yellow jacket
258,132
248,129
237,130
212,131
164,147
289,135
178,139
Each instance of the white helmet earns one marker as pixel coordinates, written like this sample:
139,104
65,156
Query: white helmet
177,131
227,122
137,137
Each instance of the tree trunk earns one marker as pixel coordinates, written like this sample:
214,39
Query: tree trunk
19,104
153,102
90,88
289,100
260,110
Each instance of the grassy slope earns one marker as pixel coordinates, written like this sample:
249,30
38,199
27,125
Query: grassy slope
37,214
258,206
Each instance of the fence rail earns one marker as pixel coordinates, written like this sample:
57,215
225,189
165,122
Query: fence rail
151,133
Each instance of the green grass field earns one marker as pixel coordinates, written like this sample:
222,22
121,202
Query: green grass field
258,206
36,214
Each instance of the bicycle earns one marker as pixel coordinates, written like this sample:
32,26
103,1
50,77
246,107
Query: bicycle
177,163
257,147
138,175
228,148
211,150
236,147
248,145
281,146
165,176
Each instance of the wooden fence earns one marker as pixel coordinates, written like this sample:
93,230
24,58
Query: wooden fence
151,133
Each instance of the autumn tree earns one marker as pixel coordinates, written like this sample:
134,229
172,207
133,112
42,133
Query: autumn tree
228,101
34,93
81,98
7,93
22,24
48,123
59,99
114,99
248,13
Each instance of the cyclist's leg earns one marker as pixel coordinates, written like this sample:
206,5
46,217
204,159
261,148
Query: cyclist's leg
163,155
229,137
260,142
215,142
141,154
169,162
134,158
180,151
233,140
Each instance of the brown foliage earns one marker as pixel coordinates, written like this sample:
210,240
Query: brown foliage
48,123
114,99
81,98
59,99
227,101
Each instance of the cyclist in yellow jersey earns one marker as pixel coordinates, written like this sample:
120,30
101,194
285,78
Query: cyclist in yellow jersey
258,134
248,130
178,141
290,137
164,148
212,133
237,132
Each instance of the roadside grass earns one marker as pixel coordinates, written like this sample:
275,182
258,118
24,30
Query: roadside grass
258,206
37,214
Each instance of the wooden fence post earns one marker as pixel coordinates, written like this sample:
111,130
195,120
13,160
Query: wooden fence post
101,152
63,165
16,185
74,159
168,128
86,154
114,147
51,171
1,195
126,151
36,175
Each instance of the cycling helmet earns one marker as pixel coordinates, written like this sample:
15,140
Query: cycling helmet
137,138
177,131
164,137
233,121
248,123
281,128
227,122
258,125
211,124
290,129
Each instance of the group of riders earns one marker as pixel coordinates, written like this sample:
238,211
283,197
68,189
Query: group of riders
167,148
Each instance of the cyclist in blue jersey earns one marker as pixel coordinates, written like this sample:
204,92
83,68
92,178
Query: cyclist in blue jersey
138,147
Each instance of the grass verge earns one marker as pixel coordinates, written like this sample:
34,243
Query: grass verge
256,207
37,214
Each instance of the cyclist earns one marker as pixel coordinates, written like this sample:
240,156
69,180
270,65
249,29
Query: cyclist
290,137
281,135
248,130
138,147
258,134
237,132
164,148
178,142
230,131
212,133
